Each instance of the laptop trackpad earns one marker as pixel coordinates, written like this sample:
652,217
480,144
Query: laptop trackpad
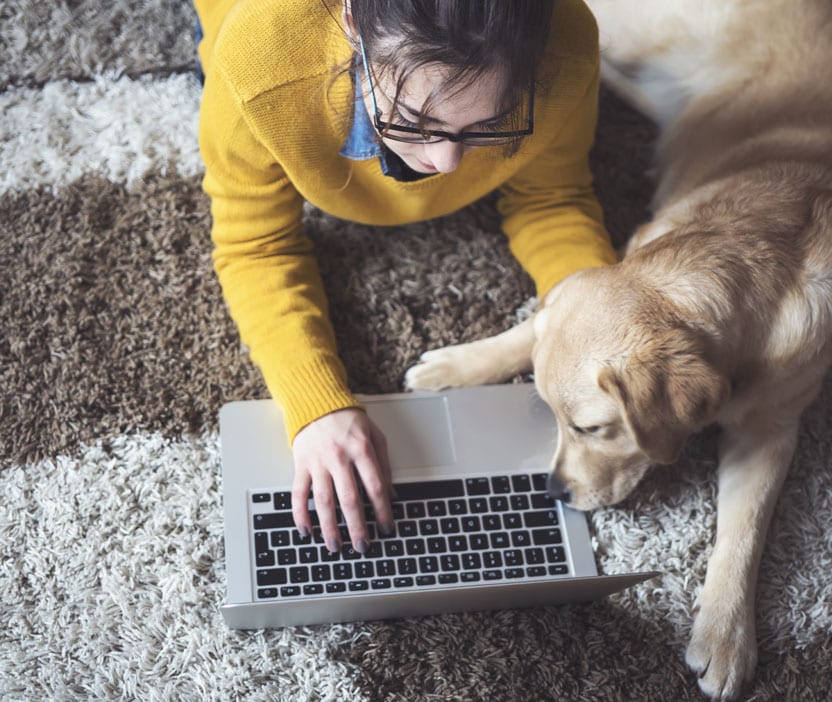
418,432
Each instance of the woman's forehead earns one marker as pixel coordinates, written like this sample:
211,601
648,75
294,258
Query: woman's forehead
432,90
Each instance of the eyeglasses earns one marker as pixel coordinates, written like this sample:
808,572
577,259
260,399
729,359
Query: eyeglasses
414,134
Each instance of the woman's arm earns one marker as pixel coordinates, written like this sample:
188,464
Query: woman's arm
272,285
550,213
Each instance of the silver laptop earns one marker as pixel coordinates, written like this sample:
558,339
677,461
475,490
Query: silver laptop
475,528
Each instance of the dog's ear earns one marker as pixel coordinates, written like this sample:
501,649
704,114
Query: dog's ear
666,391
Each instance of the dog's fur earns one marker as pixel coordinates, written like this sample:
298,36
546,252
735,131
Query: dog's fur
721,310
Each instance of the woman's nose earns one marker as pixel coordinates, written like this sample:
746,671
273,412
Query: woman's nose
445,156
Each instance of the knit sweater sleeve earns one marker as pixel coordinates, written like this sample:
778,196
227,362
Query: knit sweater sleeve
550,213
265,262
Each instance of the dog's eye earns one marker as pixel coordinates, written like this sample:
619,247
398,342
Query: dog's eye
585,430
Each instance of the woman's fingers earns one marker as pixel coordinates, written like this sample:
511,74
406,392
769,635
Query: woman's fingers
335,455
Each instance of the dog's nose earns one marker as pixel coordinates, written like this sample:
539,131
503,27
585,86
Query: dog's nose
556,490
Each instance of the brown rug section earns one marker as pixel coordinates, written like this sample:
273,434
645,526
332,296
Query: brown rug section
114,320
77,39
591,653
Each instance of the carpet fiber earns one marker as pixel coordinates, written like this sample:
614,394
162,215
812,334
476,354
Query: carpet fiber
116,354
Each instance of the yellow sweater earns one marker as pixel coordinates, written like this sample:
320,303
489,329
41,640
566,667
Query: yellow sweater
271,126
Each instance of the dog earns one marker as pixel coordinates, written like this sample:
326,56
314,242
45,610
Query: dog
721,308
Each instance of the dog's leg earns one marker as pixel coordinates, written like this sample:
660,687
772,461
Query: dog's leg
490,360
753,465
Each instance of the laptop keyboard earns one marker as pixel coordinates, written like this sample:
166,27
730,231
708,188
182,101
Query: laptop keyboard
450,532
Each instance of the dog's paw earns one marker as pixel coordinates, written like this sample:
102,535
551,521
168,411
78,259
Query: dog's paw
439,369
723,649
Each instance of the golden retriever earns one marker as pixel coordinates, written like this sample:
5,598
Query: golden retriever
721,310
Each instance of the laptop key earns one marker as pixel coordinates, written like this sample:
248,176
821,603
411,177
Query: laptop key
478,541
471,561
448,578
457,507
308,555
546,536
279,538
261,541
358,585
512,521
273,520
457,543
428,564
342,571
403,582
519,503
266,593
430,490
415,510
450,525
428,527
491,522
539,481
470,524
265,558
313,589
414,547
393,548
541,519
520,539
407,566
328,556
534,556
380,584
492,559
498,504
386,567
492,575
336,587
364,569
321,573
499,540
287,556
408,529
437,544
500,484
514,572
259,497
478,505
290,591
542,501
555,554
513,557
521,483
271,576
437,508
558,570
450,561
477,486
426,580
282,501
535,571
299,574
469,577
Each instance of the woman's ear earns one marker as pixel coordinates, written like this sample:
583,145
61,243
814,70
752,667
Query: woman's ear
349,24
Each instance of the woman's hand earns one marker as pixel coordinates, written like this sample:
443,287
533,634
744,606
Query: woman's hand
328,453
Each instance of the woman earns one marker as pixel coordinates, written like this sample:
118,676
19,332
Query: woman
382,112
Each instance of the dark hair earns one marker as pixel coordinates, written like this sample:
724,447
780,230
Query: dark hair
471,38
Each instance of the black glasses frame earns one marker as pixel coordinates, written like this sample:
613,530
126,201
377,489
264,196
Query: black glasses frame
432,136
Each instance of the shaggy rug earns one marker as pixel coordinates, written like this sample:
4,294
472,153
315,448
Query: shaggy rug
116,354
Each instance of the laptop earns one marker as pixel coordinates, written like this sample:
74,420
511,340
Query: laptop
475,529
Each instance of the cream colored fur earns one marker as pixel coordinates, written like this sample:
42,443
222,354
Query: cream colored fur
721,311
